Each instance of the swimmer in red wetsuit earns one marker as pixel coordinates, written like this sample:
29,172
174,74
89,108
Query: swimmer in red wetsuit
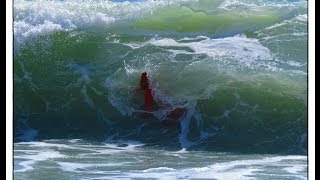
144,85
173,116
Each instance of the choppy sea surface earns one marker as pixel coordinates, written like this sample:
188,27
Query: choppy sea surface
78,159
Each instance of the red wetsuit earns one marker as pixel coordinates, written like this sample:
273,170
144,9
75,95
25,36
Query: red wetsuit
148,99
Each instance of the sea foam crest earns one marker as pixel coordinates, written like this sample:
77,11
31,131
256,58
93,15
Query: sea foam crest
34,18
238,46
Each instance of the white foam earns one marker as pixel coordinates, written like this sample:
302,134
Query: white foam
294,63
295,168
102,19
183,150
22,30
227,3
238,46
234,169
44,153
41,156
28,151
44,144
35,157
277,25
74,140
193,39
34,18
238,169
26,166
302,17
74,167
84,168
237,174
66,166
299,34
107,148
223,170
257,6
159,169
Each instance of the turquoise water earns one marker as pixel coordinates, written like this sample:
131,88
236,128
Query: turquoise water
237,68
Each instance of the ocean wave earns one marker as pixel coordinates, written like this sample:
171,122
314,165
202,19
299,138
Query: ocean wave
236,74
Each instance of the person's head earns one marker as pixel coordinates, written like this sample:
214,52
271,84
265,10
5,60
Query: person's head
144,81
144,74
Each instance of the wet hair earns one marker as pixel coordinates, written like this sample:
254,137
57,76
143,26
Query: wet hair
144,84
